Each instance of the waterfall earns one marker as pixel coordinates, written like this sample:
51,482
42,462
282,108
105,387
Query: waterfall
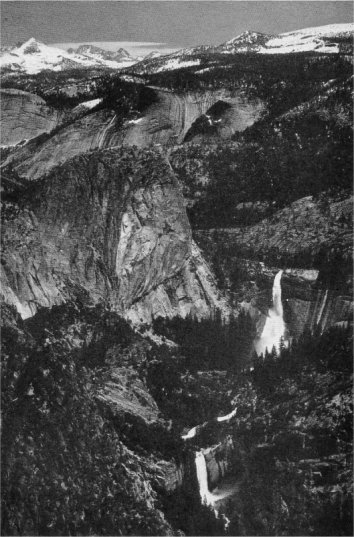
319,315
191,434
202,476
219,493
228,416
276,294
274,327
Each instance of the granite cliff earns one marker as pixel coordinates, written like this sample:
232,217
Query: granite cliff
166,122
24,116
110,225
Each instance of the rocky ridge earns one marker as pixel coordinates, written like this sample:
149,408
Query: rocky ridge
165,122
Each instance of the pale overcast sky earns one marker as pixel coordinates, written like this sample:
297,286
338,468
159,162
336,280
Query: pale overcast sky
175,23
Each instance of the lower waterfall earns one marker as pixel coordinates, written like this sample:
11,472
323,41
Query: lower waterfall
202,476
220,493
274,328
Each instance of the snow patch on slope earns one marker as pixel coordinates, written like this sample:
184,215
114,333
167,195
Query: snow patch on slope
176,63
308,39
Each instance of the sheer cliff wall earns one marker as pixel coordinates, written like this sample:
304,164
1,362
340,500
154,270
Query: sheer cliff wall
106,226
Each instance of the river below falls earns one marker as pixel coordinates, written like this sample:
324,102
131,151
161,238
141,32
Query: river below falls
272,334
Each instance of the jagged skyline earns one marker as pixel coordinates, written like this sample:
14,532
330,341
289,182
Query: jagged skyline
161,25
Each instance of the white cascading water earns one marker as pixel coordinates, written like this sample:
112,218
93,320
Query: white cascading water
274,328
228,416
202,476
191,434
220,493
323,303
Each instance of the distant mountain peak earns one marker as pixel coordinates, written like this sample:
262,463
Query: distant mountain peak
31,41
32,46
304,40
123,52
32,56
92,51
248,34
245,42
152,54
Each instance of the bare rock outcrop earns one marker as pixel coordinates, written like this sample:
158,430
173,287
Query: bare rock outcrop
218,460
107,226
165,122
169,119
38,158
24,116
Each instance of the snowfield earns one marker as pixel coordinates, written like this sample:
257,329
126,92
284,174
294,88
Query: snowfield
308,39
176,63
32,57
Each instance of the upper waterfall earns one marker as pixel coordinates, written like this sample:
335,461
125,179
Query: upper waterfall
276,294
274,328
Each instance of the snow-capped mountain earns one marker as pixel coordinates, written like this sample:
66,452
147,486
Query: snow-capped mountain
153,54
246,42
318,39
322,39
93,52
33,56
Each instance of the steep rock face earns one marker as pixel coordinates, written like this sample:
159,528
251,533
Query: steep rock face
85,134
24,116
106,226
192,290
324,307
306,304
171,117
217,460
164,122
239,113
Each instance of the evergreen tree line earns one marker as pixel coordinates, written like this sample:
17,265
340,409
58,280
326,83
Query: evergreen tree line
212,343
125,98
282,82
330,351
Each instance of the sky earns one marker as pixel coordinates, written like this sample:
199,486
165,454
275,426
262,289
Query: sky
142,26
